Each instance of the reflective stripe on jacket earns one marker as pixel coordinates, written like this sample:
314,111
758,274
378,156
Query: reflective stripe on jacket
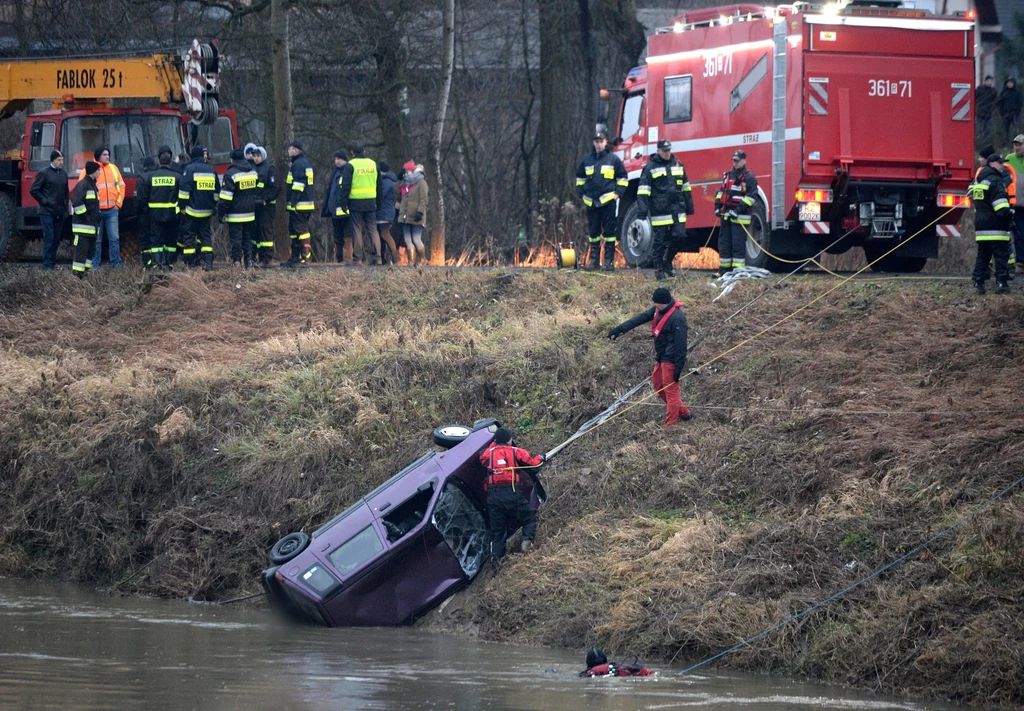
158,193
299,184
600,177
238,193
991,206
85,208
199,189
109,186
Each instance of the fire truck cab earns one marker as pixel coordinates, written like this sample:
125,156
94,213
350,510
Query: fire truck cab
857,121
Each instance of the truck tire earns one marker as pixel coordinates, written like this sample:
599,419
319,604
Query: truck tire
450,435
760,235
12,243
636,239
288,547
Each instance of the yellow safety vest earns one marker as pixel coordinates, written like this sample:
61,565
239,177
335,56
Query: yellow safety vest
364,179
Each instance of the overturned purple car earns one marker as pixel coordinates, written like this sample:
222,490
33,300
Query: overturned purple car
400,550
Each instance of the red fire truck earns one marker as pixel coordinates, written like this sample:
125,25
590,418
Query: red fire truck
857,121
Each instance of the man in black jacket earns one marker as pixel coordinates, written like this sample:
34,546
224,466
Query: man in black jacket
336,207
85,218
600,181
664,194
158,195
50,190
266,206
668,326
985,96
198,195
237,208
991,225
1009,104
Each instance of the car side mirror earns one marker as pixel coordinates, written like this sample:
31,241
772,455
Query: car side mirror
37,135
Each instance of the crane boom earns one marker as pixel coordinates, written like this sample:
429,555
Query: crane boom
191,79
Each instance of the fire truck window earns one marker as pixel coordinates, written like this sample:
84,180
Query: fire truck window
82,135
678,99
632,110
217,139
748,83
156,131
39,158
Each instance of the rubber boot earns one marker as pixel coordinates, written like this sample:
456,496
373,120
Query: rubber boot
595,257
609,257
1002,287
422,251
979,286
294,259
208,262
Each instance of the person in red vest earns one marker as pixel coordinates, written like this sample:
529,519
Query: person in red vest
506,498
598,665
668,326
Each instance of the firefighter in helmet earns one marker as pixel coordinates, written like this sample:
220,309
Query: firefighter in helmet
601,180
734,203
664,195
991,225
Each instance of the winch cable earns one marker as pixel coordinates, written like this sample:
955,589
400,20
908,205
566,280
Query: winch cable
612,412
708,333
844,591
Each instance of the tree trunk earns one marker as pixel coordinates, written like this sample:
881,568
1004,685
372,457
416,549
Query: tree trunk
283,118
563,127
436,214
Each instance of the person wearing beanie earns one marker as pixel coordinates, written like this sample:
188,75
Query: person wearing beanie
386,213
507,486
198,195
237,208
50,190
85,218
668,326
157,194
412,211
336,208
363,197
267,189
299,185
110,185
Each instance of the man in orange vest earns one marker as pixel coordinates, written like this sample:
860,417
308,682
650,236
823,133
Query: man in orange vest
110,186
506,499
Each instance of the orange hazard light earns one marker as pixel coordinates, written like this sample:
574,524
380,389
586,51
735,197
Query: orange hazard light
953,200
813,195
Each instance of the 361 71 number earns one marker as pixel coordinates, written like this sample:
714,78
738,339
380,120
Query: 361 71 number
902,88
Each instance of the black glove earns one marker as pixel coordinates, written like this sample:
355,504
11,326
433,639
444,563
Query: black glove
418,216
613,334
677,375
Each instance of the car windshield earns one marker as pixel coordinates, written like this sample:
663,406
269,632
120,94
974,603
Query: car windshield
130,138
463,527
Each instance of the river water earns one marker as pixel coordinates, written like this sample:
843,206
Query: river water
65,647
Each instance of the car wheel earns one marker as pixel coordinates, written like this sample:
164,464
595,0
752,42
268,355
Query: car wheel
450,435
288,547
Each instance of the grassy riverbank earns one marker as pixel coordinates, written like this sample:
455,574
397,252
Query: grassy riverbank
160,442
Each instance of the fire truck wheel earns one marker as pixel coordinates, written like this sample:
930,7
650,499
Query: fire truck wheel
12,244
636,239
760,235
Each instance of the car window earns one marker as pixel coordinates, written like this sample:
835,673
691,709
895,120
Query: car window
678,99
409,514
355,551
462,525
39,156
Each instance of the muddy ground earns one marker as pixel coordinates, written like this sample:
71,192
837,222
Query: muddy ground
158,442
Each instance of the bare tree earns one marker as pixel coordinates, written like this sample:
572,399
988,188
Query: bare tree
283,112
437,234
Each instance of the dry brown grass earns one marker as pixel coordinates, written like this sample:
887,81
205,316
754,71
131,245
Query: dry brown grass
159,443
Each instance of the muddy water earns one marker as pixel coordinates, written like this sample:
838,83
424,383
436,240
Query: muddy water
64,647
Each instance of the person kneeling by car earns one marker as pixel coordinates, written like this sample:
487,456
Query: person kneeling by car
506,500
668,326
598,665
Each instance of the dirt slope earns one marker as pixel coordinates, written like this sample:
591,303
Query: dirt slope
159,443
